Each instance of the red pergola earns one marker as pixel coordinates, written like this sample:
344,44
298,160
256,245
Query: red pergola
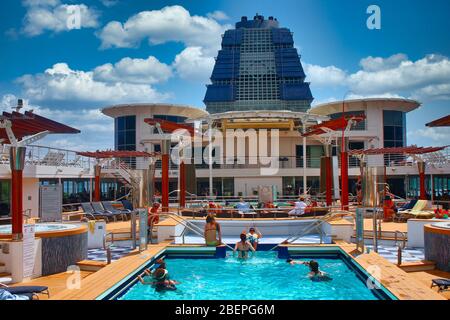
29,123
332,125
411,151
335,125
398,150
108,154
442,122
170,127
20,126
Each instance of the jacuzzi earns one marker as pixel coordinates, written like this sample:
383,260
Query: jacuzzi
63,244
437,244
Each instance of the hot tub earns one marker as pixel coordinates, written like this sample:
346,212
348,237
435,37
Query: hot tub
63,244
437,244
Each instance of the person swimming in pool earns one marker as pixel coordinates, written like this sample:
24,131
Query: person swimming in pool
160,264
253,236
315,273
243,247
163,282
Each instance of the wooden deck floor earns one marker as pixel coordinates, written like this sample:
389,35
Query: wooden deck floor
56,283
102,280
402,284
426,276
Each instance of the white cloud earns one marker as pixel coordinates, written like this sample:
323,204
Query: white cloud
372,64
425,79
61,83
91,123
192,64
51,15
218,15
408,75
171,23
439,136
109,3
143,71
324,76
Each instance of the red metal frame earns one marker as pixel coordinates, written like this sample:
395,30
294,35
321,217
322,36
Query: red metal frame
442,122
171,127
412,150
28,124
107,155
329,181
334,125
17,202
23,125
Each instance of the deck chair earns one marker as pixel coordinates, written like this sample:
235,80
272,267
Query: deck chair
127,204
87,208
97,206
26,290
53,158
442,284
108,205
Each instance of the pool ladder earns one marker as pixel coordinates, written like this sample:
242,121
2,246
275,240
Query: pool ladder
107,247
315,225
400,245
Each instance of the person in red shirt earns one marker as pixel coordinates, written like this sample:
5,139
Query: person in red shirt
153,216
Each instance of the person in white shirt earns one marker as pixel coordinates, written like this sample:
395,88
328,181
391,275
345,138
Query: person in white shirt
299,208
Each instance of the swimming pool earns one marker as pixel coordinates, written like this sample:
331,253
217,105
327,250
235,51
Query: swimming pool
262,277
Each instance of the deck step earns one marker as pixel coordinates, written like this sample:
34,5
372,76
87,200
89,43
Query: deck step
423,265
91,265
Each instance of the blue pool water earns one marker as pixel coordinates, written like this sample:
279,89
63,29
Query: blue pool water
262,277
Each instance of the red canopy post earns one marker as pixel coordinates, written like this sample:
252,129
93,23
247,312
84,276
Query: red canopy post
422,166
17,161
97,185
328,176
20,126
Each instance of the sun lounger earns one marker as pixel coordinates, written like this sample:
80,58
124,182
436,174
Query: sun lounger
127,204
97,206
442,284
108,205
28,291
89,210
419,211
21,290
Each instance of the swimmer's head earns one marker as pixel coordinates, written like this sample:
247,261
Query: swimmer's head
160,274
301,199
210,218
162,263
243,237
314,266
251,230
289,260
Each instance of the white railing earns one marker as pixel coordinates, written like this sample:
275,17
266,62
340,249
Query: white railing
47,156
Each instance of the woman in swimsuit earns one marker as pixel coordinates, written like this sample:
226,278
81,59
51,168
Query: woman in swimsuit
243,247
212,230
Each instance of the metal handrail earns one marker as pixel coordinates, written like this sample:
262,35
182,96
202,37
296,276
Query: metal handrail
193,228
400,247
108,247
315,225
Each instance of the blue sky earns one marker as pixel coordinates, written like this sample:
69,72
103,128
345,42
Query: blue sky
154,51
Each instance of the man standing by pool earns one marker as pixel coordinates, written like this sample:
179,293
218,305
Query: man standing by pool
299,208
